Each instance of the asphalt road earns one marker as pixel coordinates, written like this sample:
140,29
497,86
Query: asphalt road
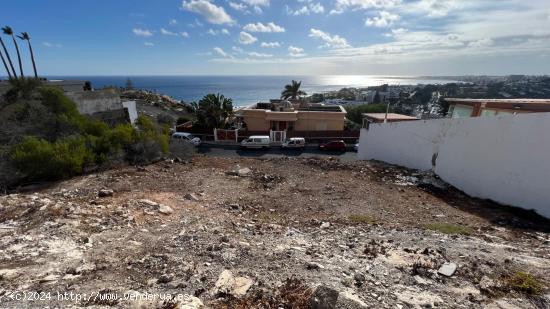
233,151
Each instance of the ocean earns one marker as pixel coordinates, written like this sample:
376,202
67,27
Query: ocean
245,90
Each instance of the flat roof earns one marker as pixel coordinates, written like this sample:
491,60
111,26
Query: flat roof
391,116
503,101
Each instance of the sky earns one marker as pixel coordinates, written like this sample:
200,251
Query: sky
283,37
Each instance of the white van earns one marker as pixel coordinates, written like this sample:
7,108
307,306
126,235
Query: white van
256,141
294,142
187,137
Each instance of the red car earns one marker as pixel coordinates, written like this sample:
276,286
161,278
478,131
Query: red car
334,145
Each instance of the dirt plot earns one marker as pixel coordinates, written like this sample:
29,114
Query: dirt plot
271,233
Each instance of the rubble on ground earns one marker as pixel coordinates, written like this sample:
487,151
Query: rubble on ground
287,233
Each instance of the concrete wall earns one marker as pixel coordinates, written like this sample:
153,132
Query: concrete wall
132,110
503,158
91,102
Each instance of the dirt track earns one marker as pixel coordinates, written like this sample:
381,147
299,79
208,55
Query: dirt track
359,228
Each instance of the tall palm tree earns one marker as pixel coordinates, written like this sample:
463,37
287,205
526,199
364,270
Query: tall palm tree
9,58
25,37
8,31
6,65
292,91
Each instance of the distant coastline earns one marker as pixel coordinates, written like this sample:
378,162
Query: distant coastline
245,90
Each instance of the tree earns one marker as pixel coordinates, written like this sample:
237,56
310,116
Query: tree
292,91
129,84
25,37
9,59
213,111
6,65
8,31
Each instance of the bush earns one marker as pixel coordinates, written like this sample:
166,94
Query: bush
60,142
355,113
39,159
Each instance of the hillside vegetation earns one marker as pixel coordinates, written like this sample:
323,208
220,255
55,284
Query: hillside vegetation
43,137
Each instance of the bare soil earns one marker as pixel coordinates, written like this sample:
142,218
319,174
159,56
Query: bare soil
288,226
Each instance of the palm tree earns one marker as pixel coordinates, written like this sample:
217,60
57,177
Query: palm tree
214,110
292,91
5,65
8,31
25,37
9,58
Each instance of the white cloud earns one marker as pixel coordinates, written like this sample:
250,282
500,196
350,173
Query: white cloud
148,44
310,8
342,5
237,6
220,52
259,55
172,22
237,50
246,38
166,32
437,8
217,32
257,2
481,43
385,19
296,51
184,34
259,27
142,32
270,44
212,13
48,44
331,41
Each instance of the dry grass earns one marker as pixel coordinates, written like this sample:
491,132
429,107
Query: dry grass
447,228
294,294
362,219
525,283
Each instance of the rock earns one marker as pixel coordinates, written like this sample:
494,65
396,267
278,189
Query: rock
325,225
314,265
244,172
238,171
105,193
165,209
191,197
324,298
229,284
448,269
346,300
190,302
328,298
165,278
148,202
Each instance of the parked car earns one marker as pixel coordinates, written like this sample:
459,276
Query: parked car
256,141
339,145
186,137
356,147
294,142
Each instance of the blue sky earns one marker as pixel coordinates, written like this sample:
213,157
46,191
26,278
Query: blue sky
280,37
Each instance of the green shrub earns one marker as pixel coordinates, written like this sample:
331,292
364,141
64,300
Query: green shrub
39,159
355,113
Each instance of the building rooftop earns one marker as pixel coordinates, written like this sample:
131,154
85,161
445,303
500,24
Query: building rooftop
391,116
500,101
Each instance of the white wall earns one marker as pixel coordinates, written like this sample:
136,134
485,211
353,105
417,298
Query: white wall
132,110
505,158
